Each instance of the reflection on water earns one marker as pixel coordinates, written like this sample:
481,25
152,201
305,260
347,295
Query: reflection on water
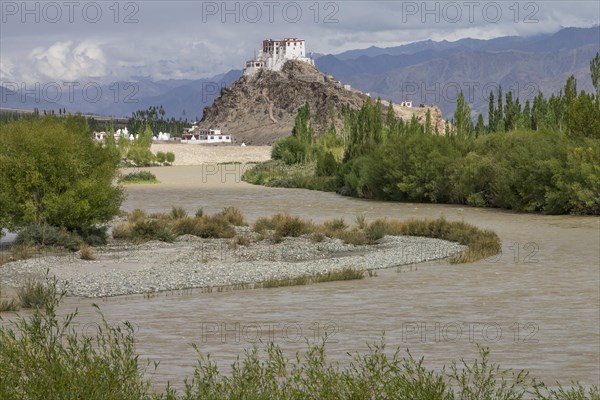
536,305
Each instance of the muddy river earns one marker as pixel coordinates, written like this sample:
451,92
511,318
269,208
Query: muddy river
536,305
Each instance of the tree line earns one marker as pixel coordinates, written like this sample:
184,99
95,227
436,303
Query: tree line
540,156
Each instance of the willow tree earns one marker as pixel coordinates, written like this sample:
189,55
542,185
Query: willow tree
54,173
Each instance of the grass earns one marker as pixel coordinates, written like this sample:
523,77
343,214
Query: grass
33,294
140,227
87,252
142,177
8,304
345,274
44,356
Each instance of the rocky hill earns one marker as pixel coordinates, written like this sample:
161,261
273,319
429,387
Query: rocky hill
259,110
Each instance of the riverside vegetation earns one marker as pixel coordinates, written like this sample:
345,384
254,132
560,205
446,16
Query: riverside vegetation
43,356
538,157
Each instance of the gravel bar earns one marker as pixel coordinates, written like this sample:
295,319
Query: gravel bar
192,262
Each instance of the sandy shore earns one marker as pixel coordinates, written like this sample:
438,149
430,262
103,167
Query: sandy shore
190,154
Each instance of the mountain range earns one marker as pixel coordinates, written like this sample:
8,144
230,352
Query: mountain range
428,72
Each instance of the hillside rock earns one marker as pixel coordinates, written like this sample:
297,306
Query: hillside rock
259,110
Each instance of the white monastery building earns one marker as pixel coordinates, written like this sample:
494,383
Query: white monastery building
275,53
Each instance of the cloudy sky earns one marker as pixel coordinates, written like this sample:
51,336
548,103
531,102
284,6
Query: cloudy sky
109,40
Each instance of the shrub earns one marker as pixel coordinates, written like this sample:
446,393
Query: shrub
241,240
187,226
177,212
122,231
140,177
326,164
151,230
337,224
137,215
290,150
8,304
44,357
95,236
199,212
376,230
215,227
33,294
46,235
345,274
86,252
233,216
361,221
141,156
161,157
286,225
354,236
170,156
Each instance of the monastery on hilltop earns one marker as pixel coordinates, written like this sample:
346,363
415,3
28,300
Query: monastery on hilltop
275,53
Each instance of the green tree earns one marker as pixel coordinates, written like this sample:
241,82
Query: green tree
583,118
54,174
462,117
595,73
491,114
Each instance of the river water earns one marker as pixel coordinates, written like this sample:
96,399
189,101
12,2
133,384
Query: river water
536,306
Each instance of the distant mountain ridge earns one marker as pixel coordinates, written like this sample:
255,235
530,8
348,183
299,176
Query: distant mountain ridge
426,72
433,72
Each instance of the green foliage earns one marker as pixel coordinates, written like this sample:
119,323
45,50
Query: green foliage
44,357
34,294
55,174
583,117
140,177
290,150
161,157
170,156
46,235
326,164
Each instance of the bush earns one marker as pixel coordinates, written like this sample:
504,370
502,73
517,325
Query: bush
233,216
177,212
152,230
215,227
326,164
290,150
44,357
137,215
53,172
161,157
33,294
87,253
170,156
199,212
45,235
283,225
95,236
122,231
141,156
140,177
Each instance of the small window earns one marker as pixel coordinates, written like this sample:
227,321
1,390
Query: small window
212,138
226,137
